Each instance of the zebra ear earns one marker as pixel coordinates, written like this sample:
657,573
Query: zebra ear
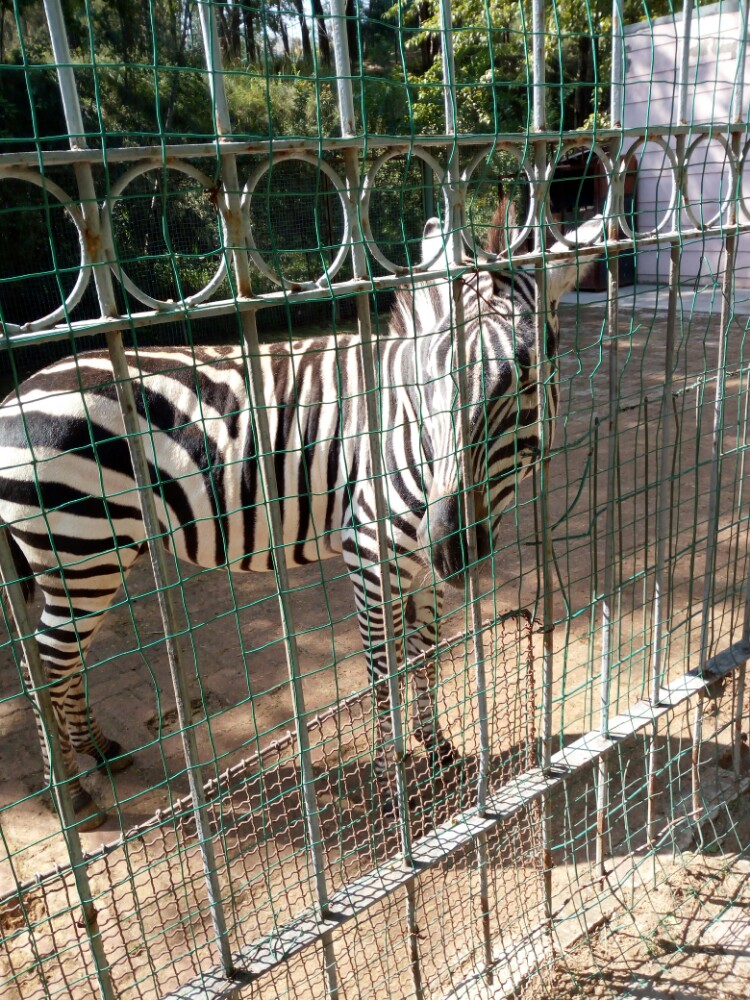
433,244
563,277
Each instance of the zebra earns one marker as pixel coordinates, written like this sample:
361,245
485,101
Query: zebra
70,502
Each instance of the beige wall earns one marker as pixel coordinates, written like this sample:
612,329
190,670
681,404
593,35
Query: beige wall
651,98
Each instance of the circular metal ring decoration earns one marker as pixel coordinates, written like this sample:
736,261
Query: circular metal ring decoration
723,202
622,170
610,201
367,188
256,255
84,275
525,229
117,269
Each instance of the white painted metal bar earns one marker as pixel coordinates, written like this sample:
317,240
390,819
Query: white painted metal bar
737,106
579,757
59,778
374,430
739,705
545,550
609,595
276,536
77,139
617,73
660,613
538,74
221,307
727,312
717,434
456,254
609,592
737,118
661,604
177,669
347,121
739,709
134,433
269,484
683,78
253,147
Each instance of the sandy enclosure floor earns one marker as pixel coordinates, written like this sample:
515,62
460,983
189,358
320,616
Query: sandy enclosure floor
242,705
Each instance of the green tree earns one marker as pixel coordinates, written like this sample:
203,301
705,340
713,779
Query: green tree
492,49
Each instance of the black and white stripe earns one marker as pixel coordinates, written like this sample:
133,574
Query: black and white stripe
68,494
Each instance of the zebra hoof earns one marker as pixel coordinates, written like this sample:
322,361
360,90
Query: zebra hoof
88,815
443,756
380,771
114,760
390,807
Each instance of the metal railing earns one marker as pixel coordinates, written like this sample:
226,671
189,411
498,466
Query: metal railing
91,210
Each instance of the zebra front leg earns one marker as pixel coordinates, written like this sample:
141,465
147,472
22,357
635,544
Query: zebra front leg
422,612
86,734
368,594
385,755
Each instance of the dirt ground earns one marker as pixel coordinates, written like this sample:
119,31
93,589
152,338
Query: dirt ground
688,938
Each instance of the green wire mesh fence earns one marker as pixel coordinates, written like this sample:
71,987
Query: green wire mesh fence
221,200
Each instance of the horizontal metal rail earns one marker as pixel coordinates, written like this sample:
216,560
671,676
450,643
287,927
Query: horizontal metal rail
343,289
165,152
460,831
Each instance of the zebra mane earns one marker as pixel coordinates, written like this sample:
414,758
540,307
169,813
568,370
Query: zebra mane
425,307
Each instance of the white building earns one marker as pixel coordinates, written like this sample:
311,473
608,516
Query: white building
651,98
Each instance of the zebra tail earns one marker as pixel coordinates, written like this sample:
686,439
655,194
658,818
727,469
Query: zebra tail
24,571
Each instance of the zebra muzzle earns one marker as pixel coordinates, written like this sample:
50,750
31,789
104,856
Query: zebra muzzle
446,540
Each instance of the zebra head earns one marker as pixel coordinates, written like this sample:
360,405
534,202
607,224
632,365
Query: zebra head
494,315
500,425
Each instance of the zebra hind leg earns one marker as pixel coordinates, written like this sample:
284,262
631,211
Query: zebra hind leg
70,619
370,615
87,814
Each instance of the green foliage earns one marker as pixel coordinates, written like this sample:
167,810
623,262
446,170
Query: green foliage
147,82
288,105
492,49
